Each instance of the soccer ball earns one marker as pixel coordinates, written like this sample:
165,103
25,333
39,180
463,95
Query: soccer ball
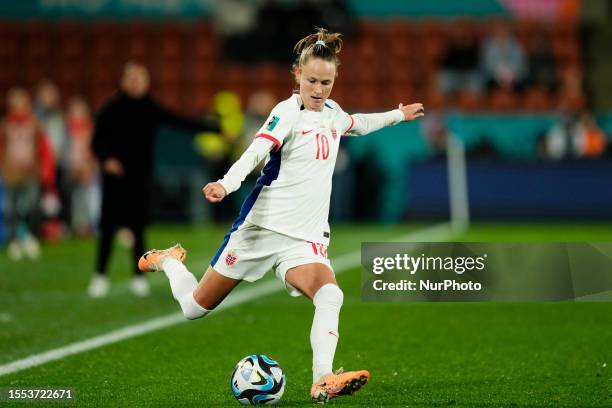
258,380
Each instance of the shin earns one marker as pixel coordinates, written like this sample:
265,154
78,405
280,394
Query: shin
324,333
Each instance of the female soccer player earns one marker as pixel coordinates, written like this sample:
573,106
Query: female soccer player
283,222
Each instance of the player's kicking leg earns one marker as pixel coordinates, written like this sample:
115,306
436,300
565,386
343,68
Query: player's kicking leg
317,282
196,300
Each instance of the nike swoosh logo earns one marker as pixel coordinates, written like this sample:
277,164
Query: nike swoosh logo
305,132
332,333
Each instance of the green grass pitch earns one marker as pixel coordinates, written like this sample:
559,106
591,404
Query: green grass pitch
419,354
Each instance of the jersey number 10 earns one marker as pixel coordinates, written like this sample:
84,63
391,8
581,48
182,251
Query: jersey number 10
322,147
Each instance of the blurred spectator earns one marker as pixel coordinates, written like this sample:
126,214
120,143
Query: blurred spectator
571,96
83,169
335,16
435,132
503,59
49,111
270,35
26,164
574,137
218,147
541,61
303,17
234,17
234,22
460,64
275,26
123,142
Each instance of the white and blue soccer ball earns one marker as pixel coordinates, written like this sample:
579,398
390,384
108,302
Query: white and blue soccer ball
258,380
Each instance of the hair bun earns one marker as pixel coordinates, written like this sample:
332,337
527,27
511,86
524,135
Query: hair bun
309,46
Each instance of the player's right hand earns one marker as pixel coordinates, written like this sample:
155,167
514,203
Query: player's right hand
214,192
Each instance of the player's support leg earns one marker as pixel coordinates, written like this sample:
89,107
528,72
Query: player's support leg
317,282
196,300
324,331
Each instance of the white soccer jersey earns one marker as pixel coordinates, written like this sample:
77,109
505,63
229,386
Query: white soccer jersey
292,195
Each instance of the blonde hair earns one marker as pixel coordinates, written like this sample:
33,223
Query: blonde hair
322,44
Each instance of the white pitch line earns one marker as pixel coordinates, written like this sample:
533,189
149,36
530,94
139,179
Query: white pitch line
341,264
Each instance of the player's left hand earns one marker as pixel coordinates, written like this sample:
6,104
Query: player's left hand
413,111
214,192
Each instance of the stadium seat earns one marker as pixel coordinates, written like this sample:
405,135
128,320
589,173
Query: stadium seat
400,48
200,73
201,99
37,44
8,78
368,29
369,99
170,48
571,101
266,75
34,73
9,46
502,100
469,101
169,95
104,45
72,49
527,30
367,49
202,48
536,100
567,51
398,29
434,99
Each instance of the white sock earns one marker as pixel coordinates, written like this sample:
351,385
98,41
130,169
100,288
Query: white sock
324,331
183,283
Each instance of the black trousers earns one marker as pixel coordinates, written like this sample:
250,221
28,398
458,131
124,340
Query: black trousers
105,246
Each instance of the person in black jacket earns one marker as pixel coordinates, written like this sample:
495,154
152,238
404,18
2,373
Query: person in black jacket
124,142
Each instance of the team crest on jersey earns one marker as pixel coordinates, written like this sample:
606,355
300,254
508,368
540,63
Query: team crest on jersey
231,258
272,123
334,134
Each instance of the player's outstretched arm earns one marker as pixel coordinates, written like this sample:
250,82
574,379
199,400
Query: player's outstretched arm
363,123
253,155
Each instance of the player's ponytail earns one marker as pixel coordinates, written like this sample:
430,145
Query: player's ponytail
322,44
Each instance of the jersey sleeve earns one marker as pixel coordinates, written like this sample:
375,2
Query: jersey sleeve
279,124
345,122
252,156
361,124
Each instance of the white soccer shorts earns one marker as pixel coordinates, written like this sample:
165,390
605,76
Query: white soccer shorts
251,251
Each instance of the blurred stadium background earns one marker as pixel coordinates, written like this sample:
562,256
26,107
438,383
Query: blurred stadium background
536,144
517,152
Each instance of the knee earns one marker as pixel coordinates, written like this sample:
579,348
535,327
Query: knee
203,300
193,315
192,309
328,295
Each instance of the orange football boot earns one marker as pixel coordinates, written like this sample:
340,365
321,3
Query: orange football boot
152,260
338,384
